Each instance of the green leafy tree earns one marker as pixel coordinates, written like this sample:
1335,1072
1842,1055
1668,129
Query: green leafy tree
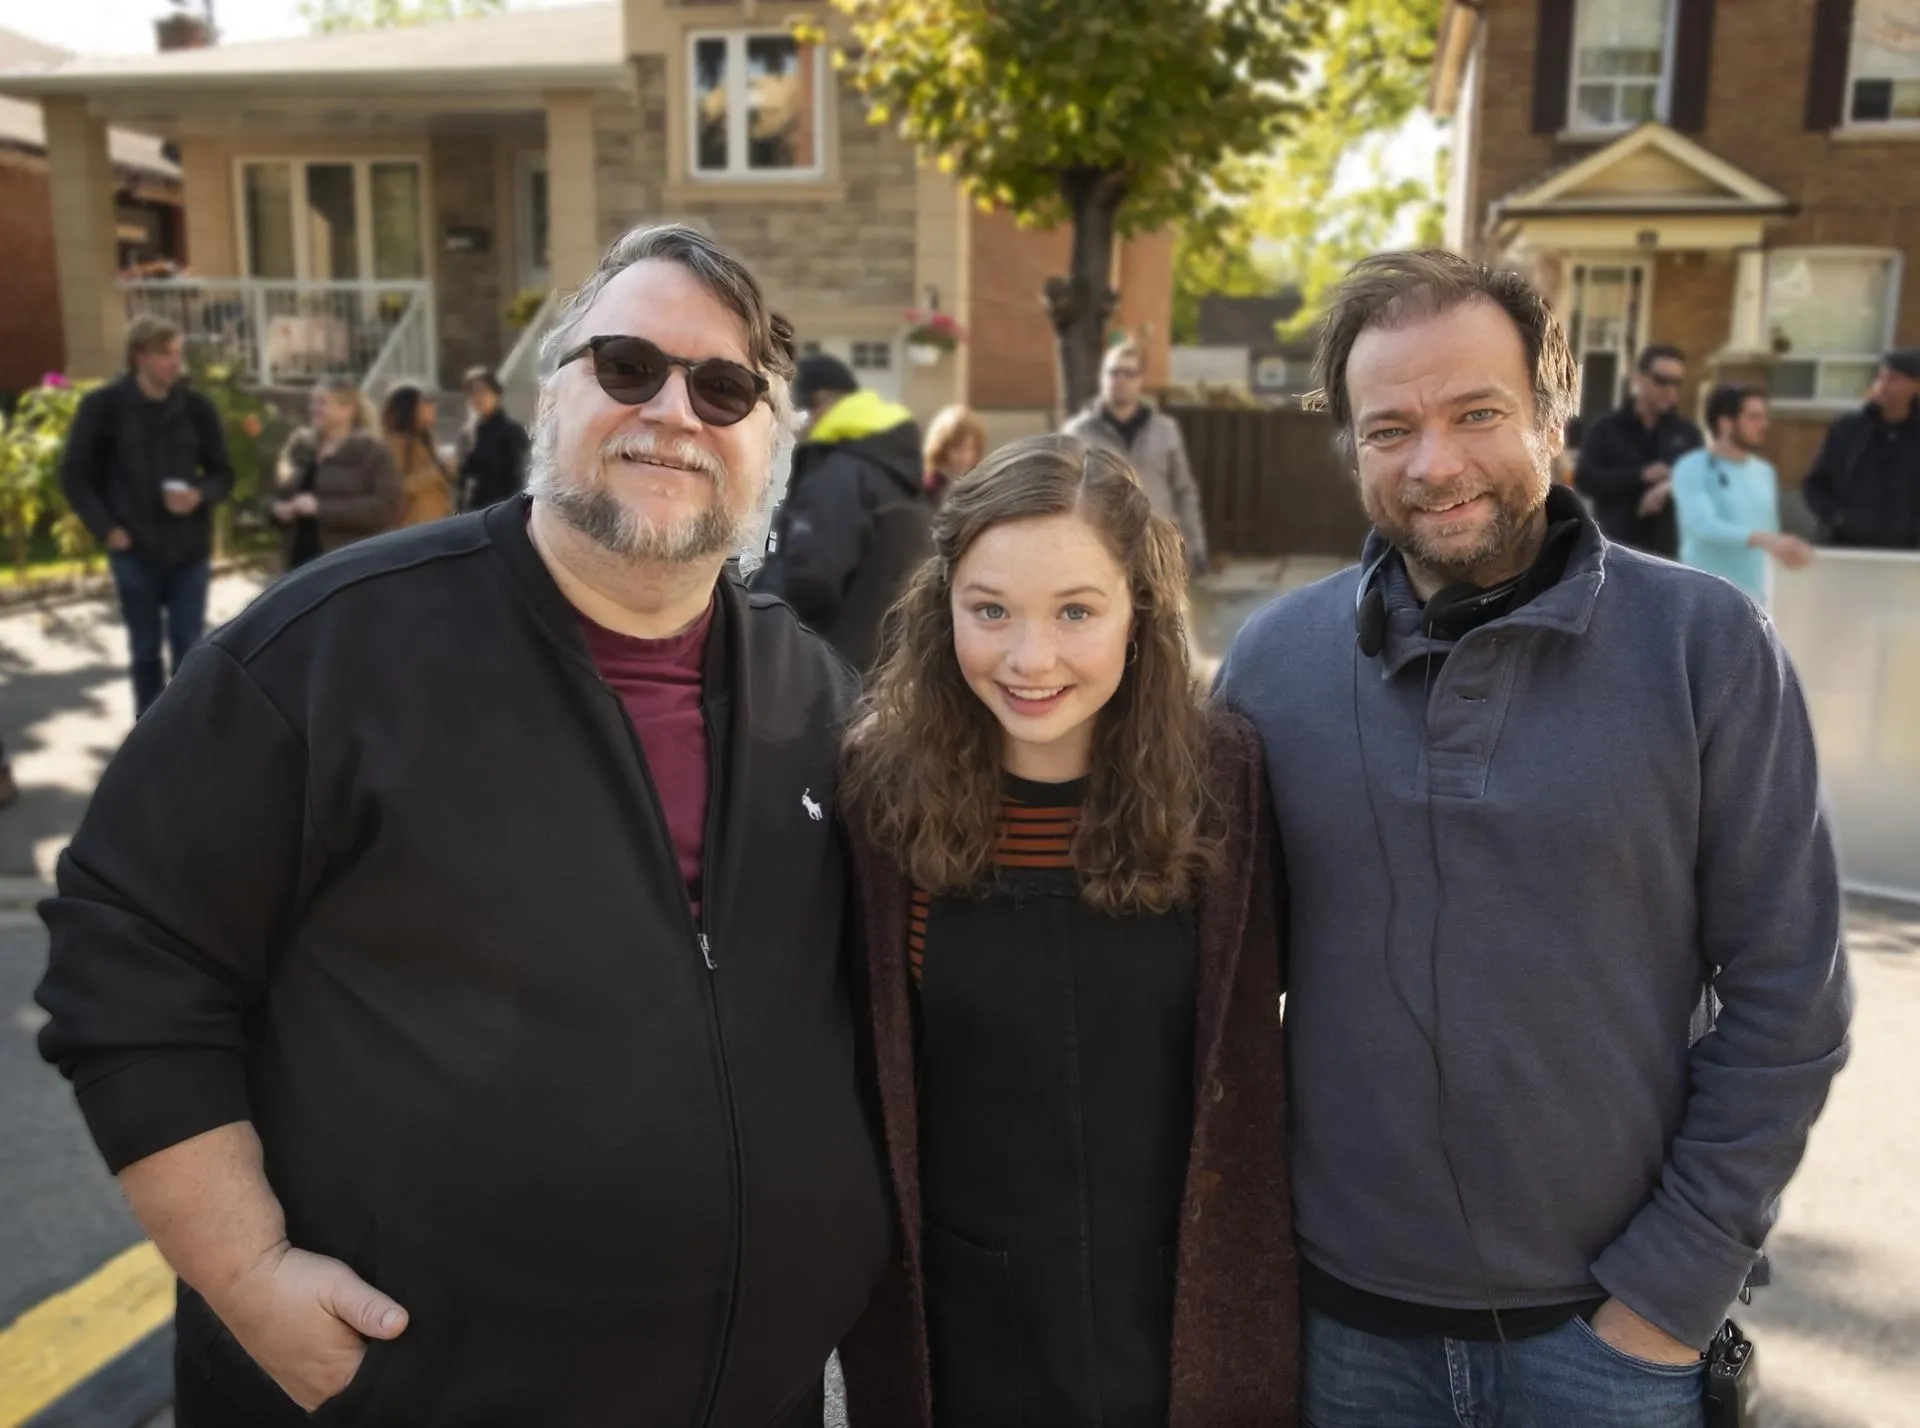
1116,116
333,17
255,430
1297,215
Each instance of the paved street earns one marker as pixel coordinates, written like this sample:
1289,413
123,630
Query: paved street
1836,1331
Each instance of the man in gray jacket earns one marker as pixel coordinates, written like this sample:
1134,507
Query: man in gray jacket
1121,420
1535,791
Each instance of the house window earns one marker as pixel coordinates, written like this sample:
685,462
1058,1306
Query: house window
873,356
757,106
1883,84
1620,53
337,220
1829,316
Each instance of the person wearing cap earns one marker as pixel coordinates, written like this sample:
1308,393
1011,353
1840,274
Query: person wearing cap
1865,484
492,451
856,522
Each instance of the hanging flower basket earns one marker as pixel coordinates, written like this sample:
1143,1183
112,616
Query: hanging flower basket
930,336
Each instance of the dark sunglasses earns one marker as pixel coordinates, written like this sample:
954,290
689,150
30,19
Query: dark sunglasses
632,371
1661,379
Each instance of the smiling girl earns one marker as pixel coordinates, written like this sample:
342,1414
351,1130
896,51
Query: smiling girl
1073,975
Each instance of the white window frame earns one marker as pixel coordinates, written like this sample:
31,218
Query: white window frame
1871,126
362,208
738,97
1895,261
1663,86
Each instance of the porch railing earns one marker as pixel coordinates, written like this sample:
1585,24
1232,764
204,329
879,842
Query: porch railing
520,373
292,333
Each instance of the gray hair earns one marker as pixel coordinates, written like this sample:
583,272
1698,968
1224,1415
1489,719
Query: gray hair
769,335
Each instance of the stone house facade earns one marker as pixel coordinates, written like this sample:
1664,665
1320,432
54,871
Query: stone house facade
1737,179
379,202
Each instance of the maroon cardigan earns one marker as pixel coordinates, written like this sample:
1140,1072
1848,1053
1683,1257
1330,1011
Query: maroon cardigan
1236,1316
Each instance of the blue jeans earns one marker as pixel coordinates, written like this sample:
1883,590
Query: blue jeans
148,589
1566,1379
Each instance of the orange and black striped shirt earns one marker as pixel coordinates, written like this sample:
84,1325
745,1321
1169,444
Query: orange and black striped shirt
1034,836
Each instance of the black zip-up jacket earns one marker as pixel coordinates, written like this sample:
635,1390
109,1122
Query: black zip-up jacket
384,873
1865,483
1618,447
854,527
118,455
493,466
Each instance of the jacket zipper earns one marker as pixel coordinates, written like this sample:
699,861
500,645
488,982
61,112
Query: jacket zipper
710,1394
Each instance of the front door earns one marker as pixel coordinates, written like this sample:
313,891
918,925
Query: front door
1607,303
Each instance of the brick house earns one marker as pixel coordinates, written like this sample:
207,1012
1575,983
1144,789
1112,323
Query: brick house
146,222
374,202
1738,179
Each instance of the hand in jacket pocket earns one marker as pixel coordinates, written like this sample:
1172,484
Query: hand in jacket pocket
305,1320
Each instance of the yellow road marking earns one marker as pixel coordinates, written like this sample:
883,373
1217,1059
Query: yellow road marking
65,1340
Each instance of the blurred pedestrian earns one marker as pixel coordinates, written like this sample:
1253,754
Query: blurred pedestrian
955,443
1068,879
335,481
1626,462
407,422
9,790
491,454
145,464
1865,484
1537,793
451,970
1122,420
854,524
1727,498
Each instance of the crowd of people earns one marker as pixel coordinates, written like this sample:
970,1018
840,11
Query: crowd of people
786,964
1657,483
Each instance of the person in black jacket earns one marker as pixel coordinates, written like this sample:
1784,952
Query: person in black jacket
492,451
144,466
1865,484
856,522
498,1067
1626,461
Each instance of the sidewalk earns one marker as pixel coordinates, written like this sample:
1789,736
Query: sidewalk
65,705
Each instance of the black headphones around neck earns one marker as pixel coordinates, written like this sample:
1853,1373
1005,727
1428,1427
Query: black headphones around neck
1463,599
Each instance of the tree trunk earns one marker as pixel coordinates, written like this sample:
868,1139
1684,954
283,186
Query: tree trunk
1080,303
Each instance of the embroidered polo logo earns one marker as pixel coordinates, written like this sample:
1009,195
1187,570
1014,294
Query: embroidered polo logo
814,810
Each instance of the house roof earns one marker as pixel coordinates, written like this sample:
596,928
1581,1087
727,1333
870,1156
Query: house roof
577,44
1246,321
21,126
1651,170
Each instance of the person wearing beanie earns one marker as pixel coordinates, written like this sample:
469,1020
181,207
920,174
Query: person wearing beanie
1865,484
855,523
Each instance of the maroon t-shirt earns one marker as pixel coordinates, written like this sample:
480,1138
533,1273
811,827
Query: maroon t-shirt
659,681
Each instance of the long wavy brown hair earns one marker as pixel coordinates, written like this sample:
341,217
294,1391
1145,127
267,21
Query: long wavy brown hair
924,761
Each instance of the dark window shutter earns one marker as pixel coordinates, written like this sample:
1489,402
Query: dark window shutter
1692,66
1552,66
1827,74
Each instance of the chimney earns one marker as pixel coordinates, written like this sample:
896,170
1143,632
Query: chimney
183,30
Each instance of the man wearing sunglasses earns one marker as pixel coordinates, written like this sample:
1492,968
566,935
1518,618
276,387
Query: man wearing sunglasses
451,964
1626,461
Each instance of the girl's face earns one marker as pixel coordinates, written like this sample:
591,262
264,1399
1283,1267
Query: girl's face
426,415
1041,619
336,413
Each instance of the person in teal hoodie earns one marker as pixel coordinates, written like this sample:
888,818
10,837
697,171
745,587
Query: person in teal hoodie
1727,497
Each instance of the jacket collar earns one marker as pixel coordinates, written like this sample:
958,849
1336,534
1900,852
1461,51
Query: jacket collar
1567,607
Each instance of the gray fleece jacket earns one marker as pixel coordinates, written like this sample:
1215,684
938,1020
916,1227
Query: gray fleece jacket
1534,857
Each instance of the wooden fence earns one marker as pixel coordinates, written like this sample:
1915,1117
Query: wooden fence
1271,483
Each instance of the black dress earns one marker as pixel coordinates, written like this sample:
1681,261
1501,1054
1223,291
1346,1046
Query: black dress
1056,1114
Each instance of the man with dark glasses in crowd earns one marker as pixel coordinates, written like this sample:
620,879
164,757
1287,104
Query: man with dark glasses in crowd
1626,461
450,965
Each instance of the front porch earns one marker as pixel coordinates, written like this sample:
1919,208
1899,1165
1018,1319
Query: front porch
387,207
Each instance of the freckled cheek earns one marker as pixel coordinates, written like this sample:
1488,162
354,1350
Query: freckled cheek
978,651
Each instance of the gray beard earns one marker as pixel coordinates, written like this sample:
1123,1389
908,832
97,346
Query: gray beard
598,515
